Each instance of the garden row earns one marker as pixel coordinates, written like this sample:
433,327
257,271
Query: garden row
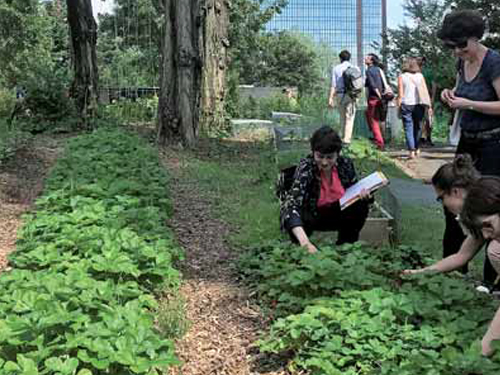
89,261
346,310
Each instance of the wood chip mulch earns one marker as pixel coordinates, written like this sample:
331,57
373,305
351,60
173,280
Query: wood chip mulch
21,181
225,322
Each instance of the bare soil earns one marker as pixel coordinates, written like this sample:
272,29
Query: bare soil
21,181
225,322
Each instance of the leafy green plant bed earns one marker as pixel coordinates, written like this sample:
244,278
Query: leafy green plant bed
89,260
346,310
11,141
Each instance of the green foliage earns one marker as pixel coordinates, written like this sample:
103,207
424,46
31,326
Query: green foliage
252,108
143,110
47,96
419,39
352,313
284,59
12,140
87,262
127,48
33,34
7,102
171,317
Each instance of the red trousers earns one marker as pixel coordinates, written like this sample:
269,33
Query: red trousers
372,118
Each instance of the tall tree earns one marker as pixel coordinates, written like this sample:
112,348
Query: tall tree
180,71
215,61
83,29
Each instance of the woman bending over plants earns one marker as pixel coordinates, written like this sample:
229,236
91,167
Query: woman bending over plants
312,202
475,201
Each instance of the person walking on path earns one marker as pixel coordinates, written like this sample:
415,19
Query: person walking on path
413,101
342,94
476,97
374,88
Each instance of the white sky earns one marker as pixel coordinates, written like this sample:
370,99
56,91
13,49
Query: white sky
102,6
395,15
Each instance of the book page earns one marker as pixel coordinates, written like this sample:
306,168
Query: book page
370,183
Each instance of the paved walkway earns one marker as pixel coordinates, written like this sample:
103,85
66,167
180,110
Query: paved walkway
419,191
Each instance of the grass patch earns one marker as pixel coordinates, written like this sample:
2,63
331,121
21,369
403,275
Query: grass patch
171,317
240,179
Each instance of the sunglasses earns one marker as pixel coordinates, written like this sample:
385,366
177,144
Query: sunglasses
461,44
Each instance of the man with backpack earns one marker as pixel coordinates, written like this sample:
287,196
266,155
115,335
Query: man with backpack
345,88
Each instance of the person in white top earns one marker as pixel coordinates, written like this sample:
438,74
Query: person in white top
338,97
413,99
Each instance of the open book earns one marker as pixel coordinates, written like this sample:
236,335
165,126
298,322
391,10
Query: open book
370,183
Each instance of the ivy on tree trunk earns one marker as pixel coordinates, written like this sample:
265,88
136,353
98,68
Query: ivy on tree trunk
83,30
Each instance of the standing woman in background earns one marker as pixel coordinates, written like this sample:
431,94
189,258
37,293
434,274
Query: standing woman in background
413,101
374,89
476,97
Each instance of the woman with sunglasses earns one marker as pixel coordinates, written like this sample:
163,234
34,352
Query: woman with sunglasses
476,97
462,191
312,202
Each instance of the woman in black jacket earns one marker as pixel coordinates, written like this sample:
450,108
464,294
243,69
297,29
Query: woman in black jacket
312,203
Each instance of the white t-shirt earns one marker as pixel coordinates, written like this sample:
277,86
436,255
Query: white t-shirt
410,90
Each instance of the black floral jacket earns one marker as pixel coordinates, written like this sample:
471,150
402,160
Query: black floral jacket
303,196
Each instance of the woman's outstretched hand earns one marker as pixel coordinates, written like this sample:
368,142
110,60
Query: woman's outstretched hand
311,249
412,272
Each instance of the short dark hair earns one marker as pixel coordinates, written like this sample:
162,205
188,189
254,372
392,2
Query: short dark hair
375,59
345,55
462,24
458,173
326,140
482,199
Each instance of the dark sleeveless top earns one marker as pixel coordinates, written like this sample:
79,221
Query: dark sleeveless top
480,89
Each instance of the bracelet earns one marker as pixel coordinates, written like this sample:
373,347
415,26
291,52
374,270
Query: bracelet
471,107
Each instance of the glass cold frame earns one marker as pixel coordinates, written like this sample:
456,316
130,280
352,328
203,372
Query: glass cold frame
334,22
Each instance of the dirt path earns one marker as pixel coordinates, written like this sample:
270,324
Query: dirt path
224,322
424,166
21,181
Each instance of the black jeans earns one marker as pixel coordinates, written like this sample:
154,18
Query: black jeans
486,157
347,222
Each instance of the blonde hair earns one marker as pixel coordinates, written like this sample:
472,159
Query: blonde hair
410,65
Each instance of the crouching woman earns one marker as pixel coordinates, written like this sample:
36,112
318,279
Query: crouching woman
481,216
312,203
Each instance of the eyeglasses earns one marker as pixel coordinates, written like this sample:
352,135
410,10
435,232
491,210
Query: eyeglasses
440,198
460,44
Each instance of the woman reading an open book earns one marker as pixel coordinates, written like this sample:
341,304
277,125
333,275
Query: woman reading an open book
312,202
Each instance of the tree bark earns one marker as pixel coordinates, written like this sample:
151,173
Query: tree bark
215,60
83,30
180,72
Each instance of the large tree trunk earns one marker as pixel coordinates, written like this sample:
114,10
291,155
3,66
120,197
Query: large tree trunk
84,38
180,72
215,59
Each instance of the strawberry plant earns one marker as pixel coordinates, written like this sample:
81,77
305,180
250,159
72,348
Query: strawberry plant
88,262
347,310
